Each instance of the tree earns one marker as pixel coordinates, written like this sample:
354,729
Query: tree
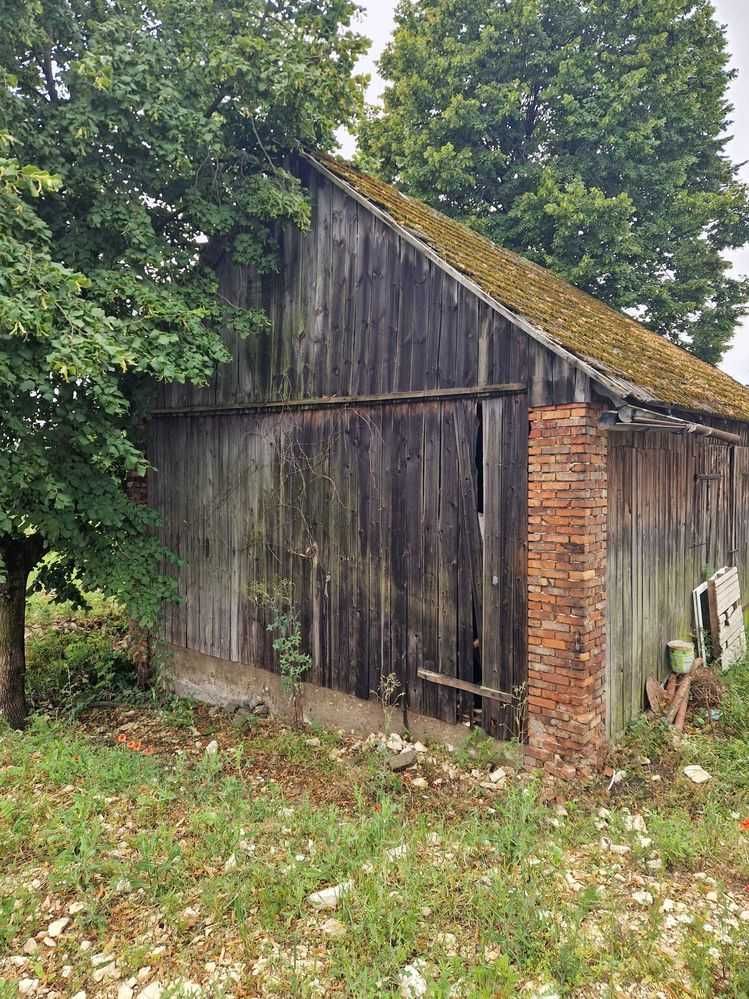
588,135
161,133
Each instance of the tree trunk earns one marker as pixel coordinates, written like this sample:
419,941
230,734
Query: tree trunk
18,559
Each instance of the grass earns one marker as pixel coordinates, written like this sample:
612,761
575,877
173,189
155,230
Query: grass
197,867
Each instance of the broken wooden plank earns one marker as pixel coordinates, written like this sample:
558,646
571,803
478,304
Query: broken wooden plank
471,688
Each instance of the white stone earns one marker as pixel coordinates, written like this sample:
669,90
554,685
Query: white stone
412,983
212,748
420,782
231,862
143,973
396,852
124,992
75,907
744,916
498,775
56,928
419,747
98,960
31,946
449,942
697,774
28,986
394,743
67,970
643,898
152,991
80,995
333,928
329,898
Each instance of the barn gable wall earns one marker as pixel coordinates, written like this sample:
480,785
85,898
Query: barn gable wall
356,309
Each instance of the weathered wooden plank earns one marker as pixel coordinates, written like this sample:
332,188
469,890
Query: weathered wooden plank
504,627
502,696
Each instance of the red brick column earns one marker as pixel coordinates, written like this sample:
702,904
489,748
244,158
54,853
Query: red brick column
566,587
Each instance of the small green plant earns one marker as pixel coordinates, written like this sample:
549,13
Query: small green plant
293,661
389,695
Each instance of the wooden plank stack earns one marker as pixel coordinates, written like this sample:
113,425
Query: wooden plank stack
726,616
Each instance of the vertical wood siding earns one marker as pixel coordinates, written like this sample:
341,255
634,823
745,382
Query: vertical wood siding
355,310
372,512
678,510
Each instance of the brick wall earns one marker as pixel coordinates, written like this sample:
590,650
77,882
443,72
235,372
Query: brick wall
136,487
566,587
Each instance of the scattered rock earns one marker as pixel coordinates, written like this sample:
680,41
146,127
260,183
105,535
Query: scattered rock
231,862
75,908
397,851
403,760
212,748
697,774
99,960
31,946
395,743
419,747
635,823
420,782
411,980
262,710
56,928
333,928
144,973
329,898
124,992
28,986
498,775
643,898
152,991
80,995
449,942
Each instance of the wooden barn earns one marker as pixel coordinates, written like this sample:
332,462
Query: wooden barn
474,477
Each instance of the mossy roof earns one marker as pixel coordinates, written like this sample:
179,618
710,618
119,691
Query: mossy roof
610,342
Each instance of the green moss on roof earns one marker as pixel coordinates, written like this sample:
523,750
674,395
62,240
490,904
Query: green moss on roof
606,339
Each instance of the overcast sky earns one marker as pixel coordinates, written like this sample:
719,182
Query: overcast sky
377,24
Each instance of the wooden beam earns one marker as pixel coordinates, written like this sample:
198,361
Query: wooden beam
335,401
471,688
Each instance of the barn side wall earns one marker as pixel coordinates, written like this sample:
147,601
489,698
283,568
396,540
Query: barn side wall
678,510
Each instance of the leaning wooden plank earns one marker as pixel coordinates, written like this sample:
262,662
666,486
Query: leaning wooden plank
472,688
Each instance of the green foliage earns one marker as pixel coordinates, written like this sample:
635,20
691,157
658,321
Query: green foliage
79,661
140,146
589,135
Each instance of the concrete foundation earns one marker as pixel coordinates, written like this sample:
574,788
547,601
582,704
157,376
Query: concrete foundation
220,681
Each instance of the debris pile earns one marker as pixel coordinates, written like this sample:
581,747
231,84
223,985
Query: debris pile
699,688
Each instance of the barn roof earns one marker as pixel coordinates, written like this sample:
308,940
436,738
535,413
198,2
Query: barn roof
641,363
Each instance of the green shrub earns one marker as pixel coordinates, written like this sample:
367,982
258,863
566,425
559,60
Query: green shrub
74,662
